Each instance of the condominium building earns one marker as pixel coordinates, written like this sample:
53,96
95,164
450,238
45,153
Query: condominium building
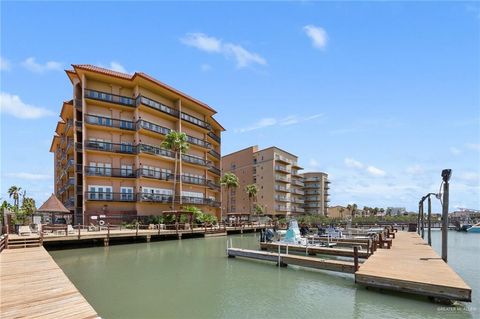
316,186
276,174
109,163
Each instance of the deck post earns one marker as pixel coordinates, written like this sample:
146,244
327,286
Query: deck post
446,177
108,231
78,231
418,216
429,221
136,232
355,257
66,230
6,240
41,238
158,229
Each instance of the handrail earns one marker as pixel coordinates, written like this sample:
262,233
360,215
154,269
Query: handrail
109,97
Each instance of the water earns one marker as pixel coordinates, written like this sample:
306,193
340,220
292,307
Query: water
193,278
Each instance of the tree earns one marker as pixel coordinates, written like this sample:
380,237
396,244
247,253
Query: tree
258,209
251,191
28,205
14,191
229,181
177,143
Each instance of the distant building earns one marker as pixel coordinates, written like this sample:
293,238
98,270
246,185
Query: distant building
396,211
338,212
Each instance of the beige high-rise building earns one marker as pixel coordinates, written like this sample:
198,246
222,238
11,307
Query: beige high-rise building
107,155
316,186
274,171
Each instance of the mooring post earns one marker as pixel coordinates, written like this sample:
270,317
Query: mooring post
136,231
418,216
355,257
66,230
78,231
446,173
279,259
108,231
287,249
423,220
429,221
41,238
159,229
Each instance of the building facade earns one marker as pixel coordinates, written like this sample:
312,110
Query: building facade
277,175
107,155
316,186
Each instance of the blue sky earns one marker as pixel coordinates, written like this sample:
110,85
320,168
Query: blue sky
382,96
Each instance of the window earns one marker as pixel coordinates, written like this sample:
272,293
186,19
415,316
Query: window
99,192
100,169
126,124
126,170
126,193
126,147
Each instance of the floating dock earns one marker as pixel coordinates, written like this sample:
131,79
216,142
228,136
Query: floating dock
33,286
313,250
304,261
412,266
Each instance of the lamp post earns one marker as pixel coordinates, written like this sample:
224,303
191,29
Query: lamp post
446,174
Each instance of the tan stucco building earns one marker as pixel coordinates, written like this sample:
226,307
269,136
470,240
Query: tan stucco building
338,212
107,155
280,184
316,186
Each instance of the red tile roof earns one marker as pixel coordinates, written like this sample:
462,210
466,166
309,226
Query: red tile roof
53,205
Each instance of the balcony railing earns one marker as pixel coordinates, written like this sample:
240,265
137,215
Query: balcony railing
297,191
152,127
281,188
281,178
156,198
213,185
109,97
194,180
214,170
199,142
215,154
109,122
297,182
77,103
196,121
111,147
214,137
281,199
282,159
151,173
195,160
78,125
149,149
282,169
156,105
298,210
281,208
110,172
161,198
110,196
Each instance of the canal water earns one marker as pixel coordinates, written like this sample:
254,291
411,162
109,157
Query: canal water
193,278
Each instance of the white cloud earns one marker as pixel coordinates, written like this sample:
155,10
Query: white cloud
352,163
209,44
202,42
469,176
414,169
115,66
455,151
313,163
29,176
4,64
375,171
31,65
270,121
473,146
205,67
13,105
317,35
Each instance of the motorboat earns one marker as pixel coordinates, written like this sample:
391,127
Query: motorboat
474,229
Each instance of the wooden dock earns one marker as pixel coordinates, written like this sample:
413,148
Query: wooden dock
412,266
304,261
33,286
313,250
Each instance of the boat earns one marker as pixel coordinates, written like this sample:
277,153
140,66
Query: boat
474,229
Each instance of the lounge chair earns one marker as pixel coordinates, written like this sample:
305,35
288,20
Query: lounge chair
70,229
24,230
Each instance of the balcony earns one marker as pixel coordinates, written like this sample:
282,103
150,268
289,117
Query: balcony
109,172
213,185
298,210
282,199
77,103
79,146
282,189
282,179
110,196
196,121
109,122
152,127
215,154
111,147
194,180
109,97
195,160
154,198
282,169
78,125
281,208
157,106
214,137
215,170
297,191
199,142
282,159
297,182
296,173
150,173
297,201
145,148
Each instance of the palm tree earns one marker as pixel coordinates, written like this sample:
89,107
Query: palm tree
229,180
177,143
251,191
14,191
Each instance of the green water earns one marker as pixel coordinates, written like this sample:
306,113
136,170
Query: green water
193,278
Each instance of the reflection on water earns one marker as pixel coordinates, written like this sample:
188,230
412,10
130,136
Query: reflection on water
193,278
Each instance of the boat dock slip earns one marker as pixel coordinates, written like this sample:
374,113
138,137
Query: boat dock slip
33,286
313,250
412,266
310,262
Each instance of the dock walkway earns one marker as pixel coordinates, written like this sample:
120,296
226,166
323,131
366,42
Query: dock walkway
33,286
412,266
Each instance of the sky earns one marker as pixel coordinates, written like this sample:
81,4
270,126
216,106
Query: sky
380,95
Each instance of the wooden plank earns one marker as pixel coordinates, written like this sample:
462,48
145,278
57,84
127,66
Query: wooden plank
303,261
33,286
412,266
312,250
